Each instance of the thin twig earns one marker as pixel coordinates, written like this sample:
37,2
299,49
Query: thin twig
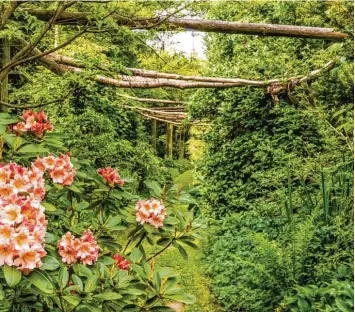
32,106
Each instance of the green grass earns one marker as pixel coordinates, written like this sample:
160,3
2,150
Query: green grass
192,278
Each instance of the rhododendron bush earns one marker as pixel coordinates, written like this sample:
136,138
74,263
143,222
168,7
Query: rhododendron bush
72,237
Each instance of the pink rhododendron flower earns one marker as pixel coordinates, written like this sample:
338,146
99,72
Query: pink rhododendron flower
29,259
84,249
34,122
22,221
121,263
110,176
6,232
150,211
7,253
60,169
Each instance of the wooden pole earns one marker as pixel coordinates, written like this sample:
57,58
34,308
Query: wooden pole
56,35
182,143
169,140
153,134
5,58
163,24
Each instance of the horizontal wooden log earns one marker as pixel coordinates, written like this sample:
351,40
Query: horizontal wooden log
140,74
141,82
161,112
169,108
260,29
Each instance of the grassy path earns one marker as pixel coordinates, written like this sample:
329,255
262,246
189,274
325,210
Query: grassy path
192,278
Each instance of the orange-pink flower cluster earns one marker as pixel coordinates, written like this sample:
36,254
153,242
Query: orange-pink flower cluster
110,176
150,211
121,262
84,249
22,220
60,169
35,122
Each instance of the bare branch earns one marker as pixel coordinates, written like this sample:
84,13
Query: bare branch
31,106
149,100
141,82
151,79
201,25
28,48
34,57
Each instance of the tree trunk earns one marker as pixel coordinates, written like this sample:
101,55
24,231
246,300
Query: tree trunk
56,35
182,143
158,23
5,58
169,140
153,135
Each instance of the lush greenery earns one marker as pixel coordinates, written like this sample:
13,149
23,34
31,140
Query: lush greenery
273,176
282,240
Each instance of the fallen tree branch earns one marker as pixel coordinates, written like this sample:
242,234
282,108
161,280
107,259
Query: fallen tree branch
36,56
135,82
27,49
149,100
160,119
169,108
141,82
74,18
182,115
155,75
274,89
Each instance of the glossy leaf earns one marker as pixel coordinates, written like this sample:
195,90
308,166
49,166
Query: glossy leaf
12,275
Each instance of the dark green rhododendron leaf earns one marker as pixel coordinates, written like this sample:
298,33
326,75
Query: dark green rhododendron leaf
87,308
91,283
12,275
63,277
82,270
108,296
77,281
73,299
184,298
48,206
32,148
50,263
41,280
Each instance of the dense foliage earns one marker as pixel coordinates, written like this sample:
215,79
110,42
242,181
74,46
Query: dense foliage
87,204
264,160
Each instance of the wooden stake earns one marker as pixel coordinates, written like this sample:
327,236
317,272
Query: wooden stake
153,134
169,140
182,143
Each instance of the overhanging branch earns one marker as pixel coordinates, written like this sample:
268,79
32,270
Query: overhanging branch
124,81
153,79
75,18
